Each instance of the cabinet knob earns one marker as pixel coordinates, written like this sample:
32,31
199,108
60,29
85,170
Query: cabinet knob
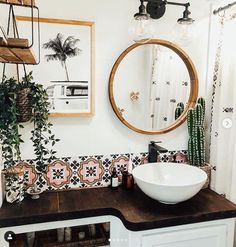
10,236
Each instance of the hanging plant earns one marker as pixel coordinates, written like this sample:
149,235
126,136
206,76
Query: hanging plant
42,136
10,138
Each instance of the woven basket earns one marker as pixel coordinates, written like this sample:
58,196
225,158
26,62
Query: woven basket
23,106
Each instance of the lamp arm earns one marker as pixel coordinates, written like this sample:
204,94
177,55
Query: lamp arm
186,5
156,8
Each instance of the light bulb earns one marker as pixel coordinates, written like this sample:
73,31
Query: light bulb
184,33
141,30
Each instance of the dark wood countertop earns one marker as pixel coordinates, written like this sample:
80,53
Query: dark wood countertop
135,209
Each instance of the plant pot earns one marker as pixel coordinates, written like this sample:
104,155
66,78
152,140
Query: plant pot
14,185
207,168
34,192
23,106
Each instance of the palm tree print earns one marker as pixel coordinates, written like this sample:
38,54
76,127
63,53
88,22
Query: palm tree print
62,50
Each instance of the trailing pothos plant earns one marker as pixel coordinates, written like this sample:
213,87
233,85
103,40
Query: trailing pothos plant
42,137
9,134
10,138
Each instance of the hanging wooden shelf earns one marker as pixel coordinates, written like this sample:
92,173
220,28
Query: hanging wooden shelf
17,55
14,42
19,2
17,50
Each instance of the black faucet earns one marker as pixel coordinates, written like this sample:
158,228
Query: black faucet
154,150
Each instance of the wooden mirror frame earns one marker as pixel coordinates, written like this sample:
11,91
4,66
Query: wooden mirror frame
193,84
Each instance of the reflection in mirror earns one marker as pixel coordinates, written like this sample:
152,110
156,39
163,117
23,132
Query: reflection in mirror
151,88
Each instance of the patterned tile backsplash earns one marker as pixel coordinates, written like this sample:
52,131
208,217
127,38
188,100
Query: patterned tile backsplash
88,171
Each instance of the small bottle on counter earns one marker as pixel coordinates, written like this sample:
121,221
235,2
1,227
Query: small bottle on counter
114,179
127,181
67,234
127,177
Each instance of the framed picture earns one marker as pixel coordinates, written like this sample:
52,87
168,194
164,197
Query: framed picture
66,67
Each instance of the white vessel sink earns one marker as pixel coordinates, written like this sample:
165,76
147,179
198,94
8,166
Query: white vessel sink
169,183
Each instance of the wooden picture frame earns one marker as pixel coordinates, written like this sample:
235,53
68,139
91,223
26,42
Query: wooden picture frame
69,97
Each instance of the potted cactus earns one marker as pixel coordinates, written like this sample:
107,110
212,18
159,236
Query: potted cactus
196,143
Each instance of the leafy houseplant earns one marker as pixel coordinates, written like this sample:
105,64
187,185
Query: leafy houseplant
9,135
41,134
10,138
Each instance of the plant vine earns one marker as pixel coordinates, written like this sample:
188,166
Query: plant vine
42,137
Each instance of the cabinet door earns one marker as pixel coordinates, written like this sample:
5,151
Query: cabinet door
198,237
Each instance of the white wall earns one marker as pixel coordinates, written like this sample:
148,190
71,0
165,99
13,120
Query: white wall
104,133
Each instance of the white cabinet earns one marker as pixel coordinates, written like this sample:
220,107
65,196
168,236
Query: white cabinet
209,234
204,237
217,233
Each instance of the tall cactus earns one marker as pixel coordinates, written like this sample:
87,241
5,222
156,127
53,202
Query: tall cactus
202,102
196,143
179,110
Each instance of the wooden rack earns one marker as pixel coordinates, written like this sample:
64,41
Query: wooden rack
17,50
14,42
19,2
17,55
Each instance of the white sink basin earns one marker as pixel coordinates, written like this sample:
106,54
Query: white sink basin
169,183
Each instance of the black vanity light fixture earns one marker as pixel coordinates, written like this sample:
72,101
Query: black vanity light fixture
143,29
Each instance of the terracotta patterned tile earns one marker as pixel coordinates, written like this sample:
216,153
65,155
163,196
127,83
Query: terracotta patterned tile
90,171
120,163
181,158
144,160
58,173
30,174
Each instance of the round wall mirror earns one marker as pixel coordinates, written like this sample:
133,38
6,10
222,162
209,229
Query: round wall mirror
152,86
